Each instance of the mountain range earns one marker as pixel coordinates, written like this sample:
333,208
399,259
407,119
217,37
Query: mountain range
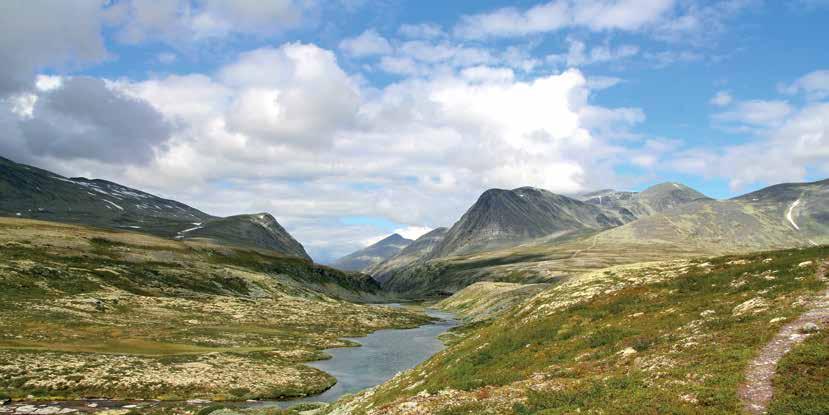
532,235
33,193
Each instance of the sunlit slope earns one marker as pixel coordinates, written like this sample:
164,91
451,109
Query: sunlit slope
664,337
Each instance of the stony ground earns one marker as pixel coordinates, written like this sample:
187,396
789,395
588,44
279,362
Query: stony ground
90,313
665,337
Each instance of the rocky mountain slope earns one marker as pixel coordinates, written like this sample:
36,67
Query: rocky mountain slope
373,254
681,224
417,251
502,218
29,192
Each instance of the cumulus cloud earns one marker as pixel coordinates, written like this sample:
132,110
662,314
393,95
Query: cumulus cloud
286,130
784,153
68,35
84,118
366,44
294,95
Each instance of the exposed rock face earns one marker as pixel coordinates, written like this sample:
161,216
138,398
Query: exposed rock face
29,192
373,254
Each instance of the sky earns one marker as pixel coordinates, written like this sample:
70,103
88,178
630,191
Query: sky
352,119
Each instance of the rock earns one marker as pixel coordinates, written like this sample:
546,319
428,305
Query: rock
130,406
628,351
707,313
92,405
197,401
49,410
809,328
752,306
25,409
777,320
767,260
67,411
5,401
804,264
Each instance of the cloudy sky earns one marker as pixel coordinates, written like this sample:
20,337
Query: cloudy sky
351,119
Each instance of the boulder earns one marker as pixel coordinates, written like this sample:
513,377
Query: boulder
809,328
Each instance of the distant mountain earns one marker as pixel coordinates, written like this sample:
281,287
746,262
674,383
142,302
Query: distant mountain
505,218
655,199
418,250
501,218
29,192
779,216
372,254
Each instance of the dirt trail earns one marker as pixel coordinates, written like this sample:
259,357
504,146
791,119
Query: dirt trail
757,391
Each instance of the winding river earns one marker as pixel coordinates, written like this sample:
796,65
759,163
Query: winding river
381,355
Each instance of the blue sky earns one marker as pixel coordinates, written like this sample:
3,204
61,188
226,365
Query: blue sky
352,119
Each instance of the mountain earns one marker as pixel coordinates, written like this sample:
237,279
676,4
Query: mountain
683,223
258,230
779,216
33,193
373,254
418,250
501,218
655,199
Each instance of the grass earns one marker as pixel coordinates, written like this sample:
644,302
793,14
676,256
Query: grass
90,312
689,346
801,385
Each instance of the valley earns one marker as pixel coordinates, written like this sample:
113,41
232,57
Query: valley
610,301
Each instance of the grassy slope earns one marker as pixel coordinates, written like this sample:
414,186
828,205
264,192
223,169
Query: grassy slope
801,385
105,313
687,325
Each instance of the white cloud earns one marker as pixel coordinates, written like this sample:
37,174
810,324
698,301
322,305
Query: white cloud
782,153
815,85
421,31
182,22
366,44
579,55
596,15
756,113
721,99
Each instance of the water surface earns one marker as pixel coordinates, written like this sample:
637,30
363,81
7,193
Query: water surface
381,355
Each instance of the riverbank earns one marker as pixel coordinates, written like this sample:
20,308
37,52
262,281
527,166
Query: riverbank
378,357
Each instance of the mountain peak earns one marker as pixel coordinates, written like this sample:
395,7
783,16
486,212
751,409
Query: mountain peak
373,254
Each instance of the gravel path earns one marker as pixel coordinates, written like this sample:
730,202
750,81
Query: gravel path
757,391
